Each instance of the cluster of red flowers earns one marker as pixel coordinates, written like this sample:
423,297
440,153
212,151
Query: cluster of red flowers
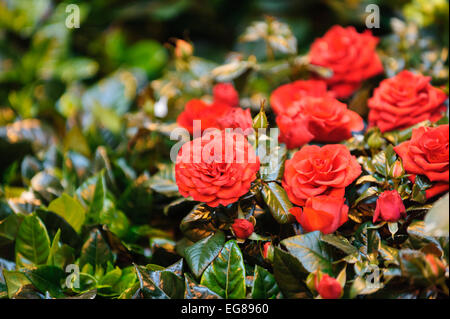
315,177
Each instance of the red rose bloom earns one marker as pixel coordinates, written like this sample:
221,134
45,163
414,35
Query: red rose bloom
328,287
285,97
351,56
390,207
404,100
322,119
427,154
242,228
324,213
237,118
216,168
199,110
315,170
226,94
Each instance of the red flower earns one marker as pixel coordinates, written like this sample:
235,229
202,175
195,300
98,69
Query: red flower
322,119
226,94
216,168
427,154
315,170
351,56
328,287
242,228
324,213
237,118
390,207
404,100
285,97
199,110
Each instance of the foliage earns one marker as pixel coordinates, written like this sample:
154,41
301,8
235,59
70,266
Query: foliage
86,182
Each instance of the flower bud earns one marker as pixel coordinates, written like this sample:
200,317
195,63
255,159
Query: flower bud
260,120
183,49
389,207
328,287
268,251
397,170
242,228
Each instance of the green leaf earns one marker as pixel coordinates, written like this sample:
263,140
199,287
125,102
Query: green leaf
339,242
32,242
195,291
9,227
371,191
226,274
99,198
69,209
15,280
290,275
202,253
164,181
421,184
95,251
277,201
310,251
47,279
54,248
198,224
160,284
264,285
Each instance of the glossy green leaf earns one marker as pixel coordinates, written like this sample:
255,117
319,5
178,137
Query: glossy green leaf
48,279
196,291
290,275
203,252
264,285
226,274
32,242
69,209
160,284
310,251
277,201
95,251
339,242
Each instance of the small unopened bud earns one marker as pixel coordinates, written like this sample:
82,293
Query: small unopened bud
260,120
268,251
183,49
397,170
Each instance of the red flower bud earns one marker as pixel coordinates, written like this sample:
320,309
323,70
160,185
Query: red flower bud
226,94
266,248
389,207
329,288
242,228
